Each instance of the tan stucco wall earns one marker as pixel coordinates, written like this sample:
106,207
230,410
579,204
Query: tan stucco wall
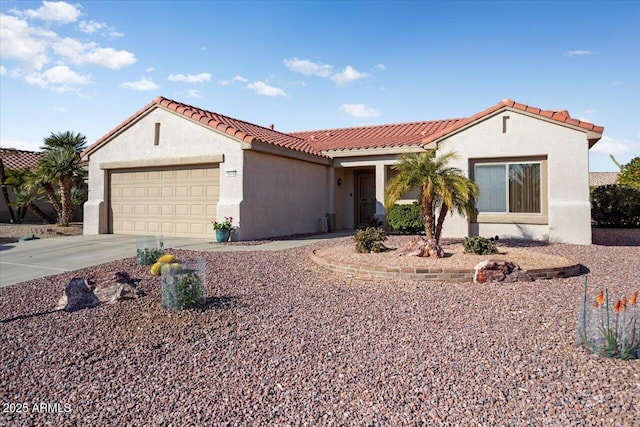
569,210
179,138
281,196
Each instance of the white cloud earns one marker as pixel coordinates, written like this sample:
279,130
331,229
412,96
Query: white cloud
82,53
190,78
59,78
194,93
380,67
239,78
308,68
32,47
261,88
149,70
61,109
142,84
348,75
359,110
23,43
578,52
58,11
616,147
19,144
3,70
91,26
224,82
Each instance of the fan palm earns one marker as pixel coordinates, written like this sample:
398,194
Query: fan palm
28,192
441,187
61,161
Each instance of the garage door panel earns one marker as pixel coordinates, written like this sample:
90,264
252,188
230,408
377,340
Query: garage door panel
178,201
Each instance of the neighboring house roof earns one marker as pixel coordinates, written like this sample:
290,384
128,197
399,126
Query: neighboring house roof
422,133
597,179
318,142
19,159
245,131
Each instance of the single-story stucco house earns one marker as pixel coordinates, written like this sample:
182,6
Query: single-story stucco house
172,168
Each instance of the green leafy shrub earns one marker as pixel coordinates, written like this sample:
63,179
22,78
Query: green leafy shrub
148,256
181,291
370,240
615,206
479,245
406,218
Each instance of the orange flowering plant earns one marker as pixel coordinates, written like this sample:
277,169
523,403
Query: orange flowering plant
610,330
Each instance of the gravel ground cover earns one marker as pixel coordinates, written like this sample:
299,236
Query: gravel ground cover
10,233
454,255
284,342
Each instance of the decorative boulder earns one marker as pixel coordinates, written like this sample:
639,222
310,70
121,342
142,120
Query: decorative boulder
493,270
113,286
77,295
102,287
422,247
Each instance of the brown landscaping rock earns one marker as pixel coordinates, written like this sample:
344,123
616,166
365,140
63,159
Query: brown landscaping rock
101,287
422,247
493,270
113,286
77,295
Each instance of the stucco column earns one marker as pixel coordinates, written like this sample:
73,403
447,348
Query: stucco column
381,180
330,202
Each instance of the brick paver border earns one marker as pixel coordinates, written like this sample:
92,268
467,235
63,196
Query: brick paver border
438,274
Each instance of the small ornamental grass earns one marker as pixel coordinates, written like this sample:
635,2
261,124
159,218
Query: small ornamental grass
183,287
370,240
610,330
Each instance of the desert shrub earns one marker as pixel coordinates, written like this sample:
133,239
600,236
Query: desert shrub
479,245
630,174
406,218
615,206
370,240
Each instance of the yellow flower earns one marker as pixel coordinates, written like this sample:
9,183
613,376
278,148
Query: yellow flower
166,259
155,268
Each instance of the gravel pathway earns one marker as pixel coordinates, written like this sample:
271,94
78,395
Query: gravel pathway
284,342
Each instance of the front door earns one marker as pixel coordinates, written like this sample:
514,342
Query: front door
366,202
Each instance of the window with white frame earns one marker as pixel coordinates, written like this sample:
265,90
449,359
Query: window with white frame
509,187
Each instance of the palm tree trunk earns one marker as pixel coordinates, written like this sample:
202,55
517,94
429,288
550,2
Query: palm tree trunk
67,203
441,217
427,216
51,195
36,210
5,193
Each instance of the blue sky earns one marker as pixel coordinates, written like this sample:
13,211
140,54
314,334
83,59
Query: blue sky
87,66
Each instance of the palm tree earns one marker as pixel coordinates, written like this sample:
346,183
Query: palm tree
61,161
28,192
441,187
3,184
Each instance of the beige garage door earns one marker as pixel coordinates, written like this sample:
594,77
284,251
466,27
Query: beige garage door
172,201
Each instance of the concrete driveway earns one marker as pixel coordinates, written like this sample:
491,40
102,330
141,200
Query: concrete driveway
22,261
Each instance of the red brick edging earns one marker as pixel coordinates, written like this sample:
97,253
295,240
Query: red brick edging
439,274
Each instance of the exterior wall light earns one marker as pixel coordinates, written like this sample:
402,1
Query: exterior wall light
339,182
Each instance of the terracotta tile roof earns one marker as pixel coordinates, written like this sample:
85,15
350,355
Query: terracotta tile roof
19,159
420,133
381,136
245,131
561,116
317,142
597,179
